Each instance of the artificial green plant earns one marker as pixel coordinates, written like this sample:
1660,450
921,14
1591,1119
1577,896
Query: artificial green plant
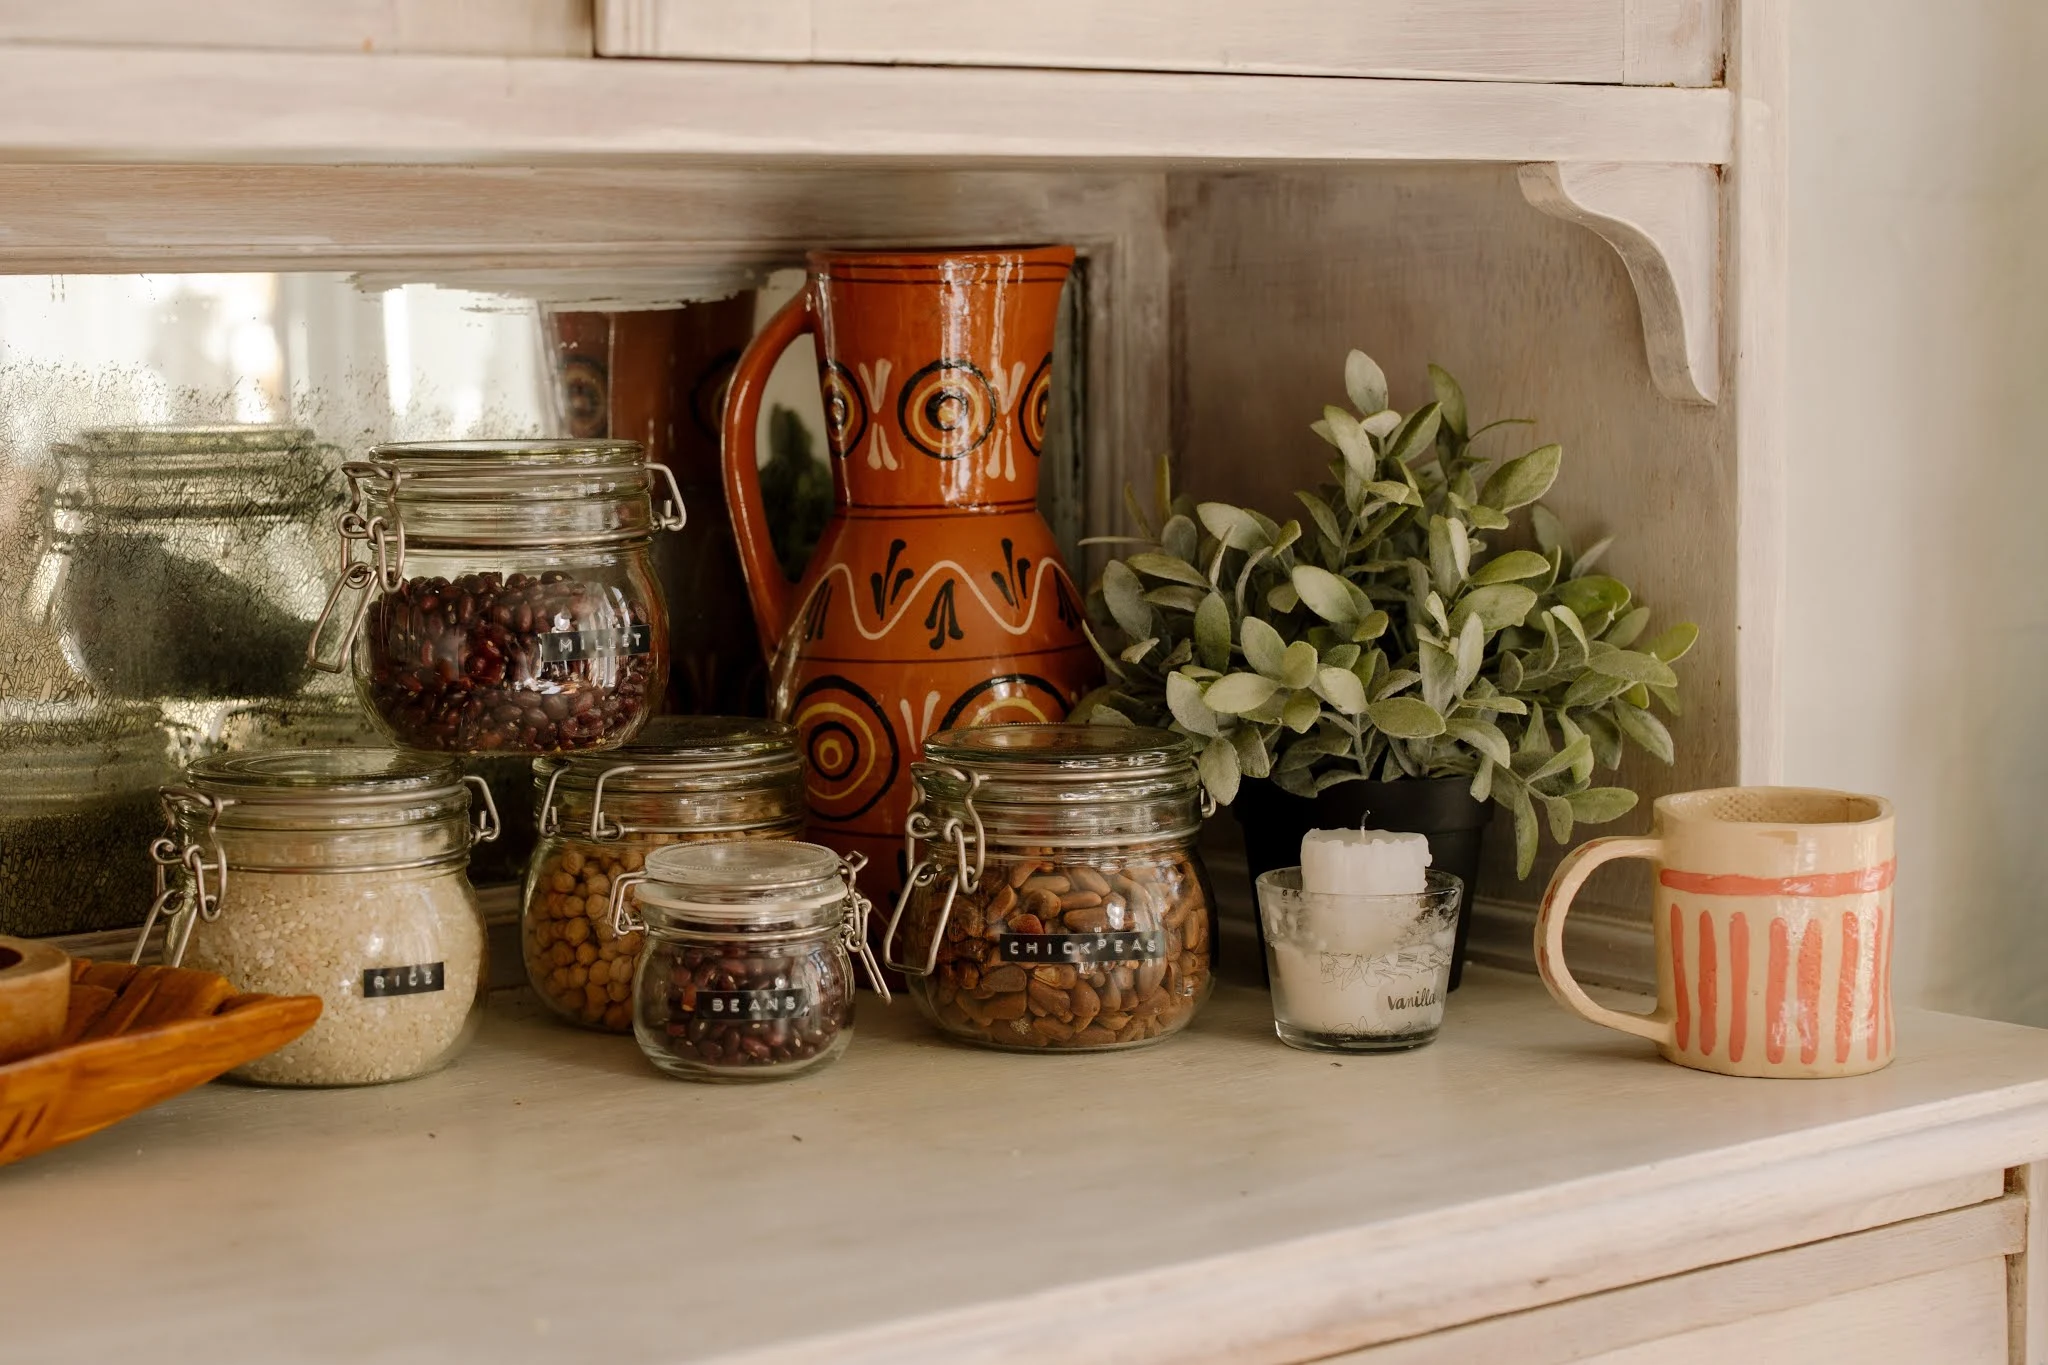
1389,638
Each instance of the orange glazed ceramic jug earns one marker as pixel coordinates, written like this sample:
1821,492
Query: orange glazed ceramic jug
936,597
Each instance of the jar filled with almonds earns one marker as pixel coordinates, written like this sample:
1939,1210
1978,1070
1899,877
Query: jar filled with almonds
685,779
1056,900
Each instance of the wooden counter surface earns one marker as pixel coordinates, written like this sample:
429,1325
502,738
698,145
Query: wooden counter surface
551,1198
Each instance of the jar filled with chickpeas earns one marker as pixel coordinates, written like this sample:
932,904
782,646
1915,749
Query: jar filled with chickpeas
684,779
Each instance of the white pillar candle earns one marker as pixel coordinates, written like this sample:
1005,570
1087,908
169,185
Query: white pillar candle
1363,862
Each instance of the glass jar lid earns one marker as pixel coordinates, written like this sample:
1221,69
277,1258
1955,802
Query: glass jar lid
748,882
516,492
701,774
313,789
225,470
1076,785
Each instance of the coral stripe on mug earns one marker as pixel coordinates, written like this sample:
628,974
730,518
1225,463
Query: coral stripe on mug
1809,991
1774,994
1813,884
1710,1003
1738,984
1679,987
1845,986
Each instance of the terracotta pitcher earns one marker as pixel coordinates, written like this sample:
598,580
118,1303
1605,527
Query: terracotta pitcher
658,376
936,597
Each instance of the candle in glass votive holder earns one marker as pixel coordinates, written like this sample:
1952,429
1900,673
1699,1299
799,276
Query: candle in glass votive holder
1359,942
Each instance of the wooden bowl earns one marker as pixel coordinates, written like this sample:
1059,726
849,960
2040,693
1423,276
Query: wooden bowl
134,1036
35,994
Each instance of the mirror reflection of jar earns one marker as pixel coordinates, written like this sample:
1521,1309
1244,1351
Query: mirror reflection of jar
186,562
77,811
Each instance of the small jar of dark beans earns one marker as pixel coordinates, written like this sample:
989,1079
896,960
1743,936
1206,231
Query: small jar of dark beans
511,603
747,972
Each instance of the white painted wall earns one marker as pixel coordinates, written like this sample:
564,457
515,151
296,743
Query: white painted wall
1917,635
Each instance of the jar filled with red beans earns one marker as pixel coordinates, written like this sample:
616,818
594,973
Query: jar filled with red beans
499,597
747,973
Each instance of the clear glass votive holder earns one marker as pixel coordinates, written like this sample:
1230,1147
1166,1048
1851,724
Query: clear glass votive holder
1358,973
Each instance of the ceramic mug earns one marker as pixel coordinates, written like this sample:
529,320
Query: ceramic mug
1773,924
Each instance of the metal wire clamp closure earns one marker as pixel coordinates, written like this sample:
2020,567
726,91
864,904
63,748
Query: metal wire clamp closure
383,567
488,826
923,871
194,902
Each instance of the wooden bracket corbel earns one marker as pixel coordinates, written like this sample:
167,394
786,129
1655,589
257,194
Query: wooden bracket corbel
1665,220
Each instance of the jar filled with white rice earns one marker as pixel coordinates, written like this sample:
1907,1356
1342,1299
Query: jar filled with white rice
340,873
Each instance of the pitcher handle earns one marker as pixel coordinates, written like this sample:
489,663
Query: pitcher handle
1557,902
767,589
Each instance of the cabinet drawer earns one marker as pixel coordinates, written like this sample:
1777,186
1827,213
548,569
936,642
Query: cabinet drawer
1930,1289
1615,42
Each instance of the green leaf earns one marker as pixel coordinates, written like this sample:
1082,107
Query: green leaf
1298,669
1220,770
1470,651
1177,597
1560,812
1350,438
1405,718
1370,627
1212,631
1498,606
1482,781
1253,758
1673,644
1439,676
1594,594
1598,805
1550,532
1341,688
1125,595
1341,656
1263,648
1184,700
1582,564
1481,735
1234,526
1511,567
1171,569
1606,737
1381,422
1282,598
1325,593
1591,689
1450,398
1319,512
1645,729
1391,490
1535,738
1578,750
1522,480
1295,782
1236,693
1136,653
1632,667
1302,711
1525,827
1395,681
1365,383
1180,539
1450,553
1668,696
1569,619
1627,628
1415,435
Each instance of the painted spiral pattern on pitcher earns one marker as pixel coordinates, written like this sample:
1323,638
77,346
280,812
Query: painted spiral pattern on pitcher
947,409
849,747
846,411
1035,411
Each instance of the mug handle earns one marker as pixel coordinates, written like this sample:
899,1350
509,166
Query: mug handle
1571,874
767,589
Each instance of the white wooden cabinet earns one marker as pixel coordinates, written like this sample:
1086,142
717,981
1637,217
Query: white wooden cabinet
1528,1188
1578,207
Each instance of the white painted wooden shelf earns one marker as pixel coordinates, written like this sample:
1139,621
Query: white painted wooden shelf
1219,1197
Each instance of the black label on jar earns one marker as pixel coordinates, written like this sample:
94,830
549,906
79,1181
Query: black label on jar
784,1002
566,646
417,979
1131,945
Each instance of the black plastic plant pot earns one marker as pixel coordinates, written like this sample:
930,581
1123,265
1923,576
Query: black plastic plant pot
1439,808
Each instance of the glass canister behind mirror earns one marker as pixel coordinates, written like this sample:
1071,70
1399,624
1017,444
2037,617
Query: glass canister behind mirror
186,561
